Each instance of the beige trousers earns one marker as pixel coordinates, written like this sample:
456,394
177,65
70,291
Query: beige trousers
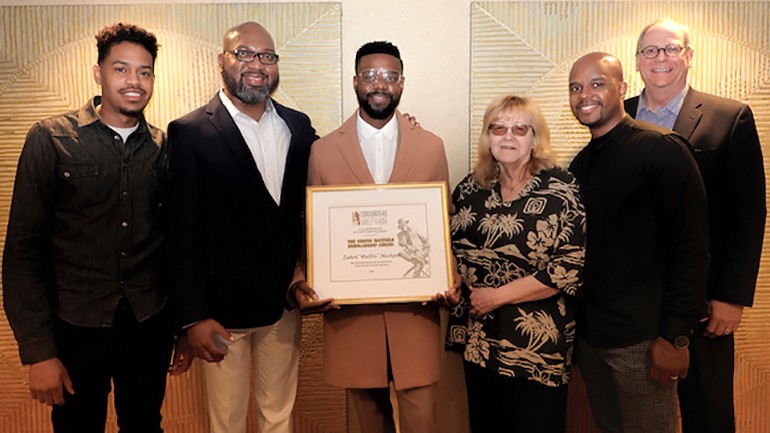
416,409
268,358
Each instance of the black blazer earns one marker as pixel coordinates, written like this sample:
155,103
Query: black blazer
724,136
232,249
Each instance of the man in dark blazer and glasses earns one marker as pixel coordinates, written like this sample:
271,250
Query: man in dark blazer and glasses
238,169
727,150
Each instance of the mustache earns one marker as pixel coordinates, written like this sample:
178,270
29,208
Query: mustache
133,89
388,94
588,102
254,74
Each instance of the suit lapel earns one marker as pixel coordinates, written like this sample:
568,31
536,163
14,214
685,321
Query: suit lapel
296,157
231,136
689,115
631,105
350,148
406,150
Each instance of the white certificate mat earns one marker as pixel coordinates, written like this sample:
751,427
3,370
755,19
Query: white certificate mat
378,243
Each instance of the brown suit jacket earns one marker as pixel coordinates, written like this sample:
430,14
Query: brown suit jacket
359,339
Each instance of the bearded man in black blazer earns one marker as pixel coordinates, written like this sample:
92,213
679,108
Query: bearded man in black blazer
238,170
727,150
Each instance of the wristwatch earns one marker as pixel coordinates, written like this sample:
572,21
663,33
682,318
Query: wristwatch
681,342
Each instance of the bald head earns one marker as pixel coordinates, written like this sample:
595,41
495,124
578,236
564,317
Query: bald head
608,63
596,92
247,29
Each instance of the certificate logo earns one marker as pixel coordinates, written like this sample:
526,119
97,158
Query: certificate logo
369,218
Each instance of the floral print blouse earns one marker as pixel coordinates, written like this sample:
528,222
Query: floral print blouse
541,233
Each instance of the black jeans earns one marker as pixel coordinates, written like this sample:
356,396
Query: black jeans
706,395
501,404
133,356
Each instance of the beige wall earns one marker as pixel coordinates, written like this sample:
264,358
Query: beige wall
435,38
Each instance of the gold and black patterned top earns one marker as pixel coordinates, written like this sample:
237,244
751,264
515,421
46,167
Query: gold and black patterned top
540,233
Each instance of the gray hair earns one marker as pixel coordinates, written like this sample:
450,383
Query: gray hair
668,21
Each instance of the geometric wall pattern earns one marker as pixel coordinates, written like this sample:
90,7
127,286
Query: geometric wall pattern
524,47
46,53
528,47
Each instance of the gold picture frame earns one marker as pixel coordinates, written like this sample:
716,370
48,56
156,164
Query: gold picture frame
378,243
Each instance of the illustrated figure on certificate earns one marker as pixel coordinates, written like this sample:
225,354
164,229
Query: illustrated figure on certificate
415,249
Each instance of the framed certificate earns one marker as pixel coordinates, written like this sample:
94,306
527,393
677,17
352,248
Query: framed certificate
378,243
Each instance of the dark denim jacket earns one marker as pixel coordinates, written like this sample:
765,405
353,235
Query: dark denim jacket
85,228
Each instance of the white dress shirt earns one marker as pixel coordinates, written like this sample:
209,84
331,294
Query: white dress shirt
379,147
268,141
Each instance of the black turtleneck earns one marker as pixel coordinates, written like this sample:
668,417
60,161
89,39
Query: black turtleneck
647,235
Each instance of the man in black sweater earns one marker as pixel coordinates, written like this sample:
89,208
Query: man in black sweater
647,255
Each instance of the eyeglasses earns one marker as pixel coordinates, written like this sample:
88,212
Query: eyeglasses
518,129
371,76
248,56
651,52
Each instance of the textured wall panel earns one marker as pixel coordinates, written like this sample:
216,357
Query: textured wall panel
528,47
46,55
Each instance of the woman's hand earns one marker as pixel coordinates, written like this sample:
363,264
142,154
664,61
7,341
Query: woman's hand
526,289
485,299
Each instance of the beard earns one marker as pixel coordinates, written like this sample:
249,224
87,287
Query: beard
381,113
127,109
131,113
247,95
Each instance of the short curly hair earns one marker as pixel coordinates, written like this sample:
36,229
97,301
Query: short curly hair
121,32
378,47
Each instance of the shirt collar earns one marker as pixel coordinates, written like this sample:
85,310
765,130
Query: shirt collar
368,131
88,115
672,107
234,111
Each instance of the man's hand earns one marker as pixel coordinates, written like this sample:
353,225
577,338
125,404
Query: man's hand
668,362
46,381
307,299
201,337
451,297
724,319
411,119
183,356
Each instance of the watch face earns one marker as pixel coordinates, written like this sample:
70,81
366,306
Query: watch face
681,342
